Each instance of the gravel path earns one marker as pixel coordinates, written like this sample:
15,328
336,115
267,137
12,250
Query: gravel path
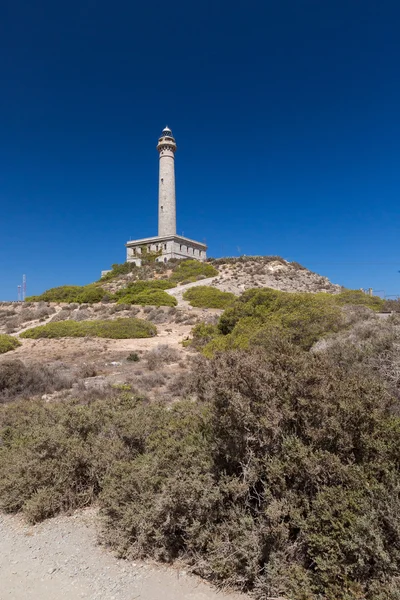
60,560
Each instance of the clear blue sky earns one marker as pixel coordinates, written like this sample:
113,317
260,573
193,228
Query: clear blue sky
286,115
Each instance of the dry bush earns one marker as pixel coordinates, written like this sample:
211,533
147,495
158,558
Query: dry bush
13,324
158,315
87,370
20,380
147,383
161,355
80,315
62,315
43,312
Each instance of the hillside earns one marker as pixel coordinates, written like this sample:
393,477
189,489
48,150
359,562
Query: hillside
247,426
239,274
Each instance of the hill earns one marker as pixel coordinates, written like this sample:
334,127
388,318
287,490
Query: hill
252,433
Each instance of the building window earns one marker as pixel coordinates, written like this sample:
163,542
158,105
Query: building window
165,246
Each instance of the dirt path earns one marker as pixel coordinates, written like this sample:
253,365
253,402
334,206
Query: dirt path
60,560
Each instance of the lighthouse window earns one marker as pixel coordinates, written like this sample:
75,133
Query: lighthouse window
165,246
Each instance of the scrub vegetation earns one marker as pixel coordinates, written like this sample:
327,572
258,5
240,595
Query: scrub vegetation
7,343
204,296
272,466
149,292
87,294
113,329
302,318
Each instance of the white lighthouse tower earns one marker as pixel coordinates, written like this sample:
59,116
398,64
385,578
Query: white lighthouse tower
167,243
166,184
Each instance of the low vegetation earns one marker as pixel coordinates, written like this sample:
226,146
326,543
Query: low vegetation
357,297
204,296
20,380
282,479
7,343
302,318
277,471
187,271
115,329
87,294
149,292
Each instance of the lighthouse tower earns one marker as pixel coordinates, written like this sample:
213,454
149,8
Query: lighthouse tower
167,244
166,184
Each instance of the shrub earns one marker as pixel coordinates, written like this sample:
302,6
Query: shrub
391,306
144,286
161,355
119,269
305,317
192,270
202,334
203,296
358,297
54,457
116,329
147,293
7,343
282,479
149,298
133,357
71,293
275,484
18,379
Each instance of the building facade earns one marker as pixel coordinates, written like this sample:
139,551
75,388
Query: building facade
167,242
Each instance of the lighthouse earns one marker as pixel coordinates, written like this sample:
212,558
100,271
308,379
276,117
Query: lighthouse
166,184
167,243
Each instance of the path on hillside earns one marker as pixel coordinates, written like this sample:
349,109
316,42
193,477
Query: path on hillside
60,560
37,322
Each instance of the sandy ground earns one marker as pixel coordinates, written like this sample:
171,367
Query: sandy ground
60,560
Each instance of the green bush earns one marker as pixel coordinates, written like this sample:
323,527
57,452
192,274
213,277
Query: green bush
87,294
301,317
150,292
192,270
133,357
202,334
148,298
356,297
115,329
204,296
304,317
7,343
119,269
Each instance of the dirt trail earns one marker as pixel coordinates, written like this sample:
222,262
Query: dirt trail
60,560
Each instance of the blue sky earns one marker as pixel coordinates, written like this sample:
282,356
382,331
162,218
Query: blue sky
286,116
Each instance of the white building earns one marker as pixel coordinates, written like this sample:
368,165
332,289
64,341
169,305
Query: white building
167,242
